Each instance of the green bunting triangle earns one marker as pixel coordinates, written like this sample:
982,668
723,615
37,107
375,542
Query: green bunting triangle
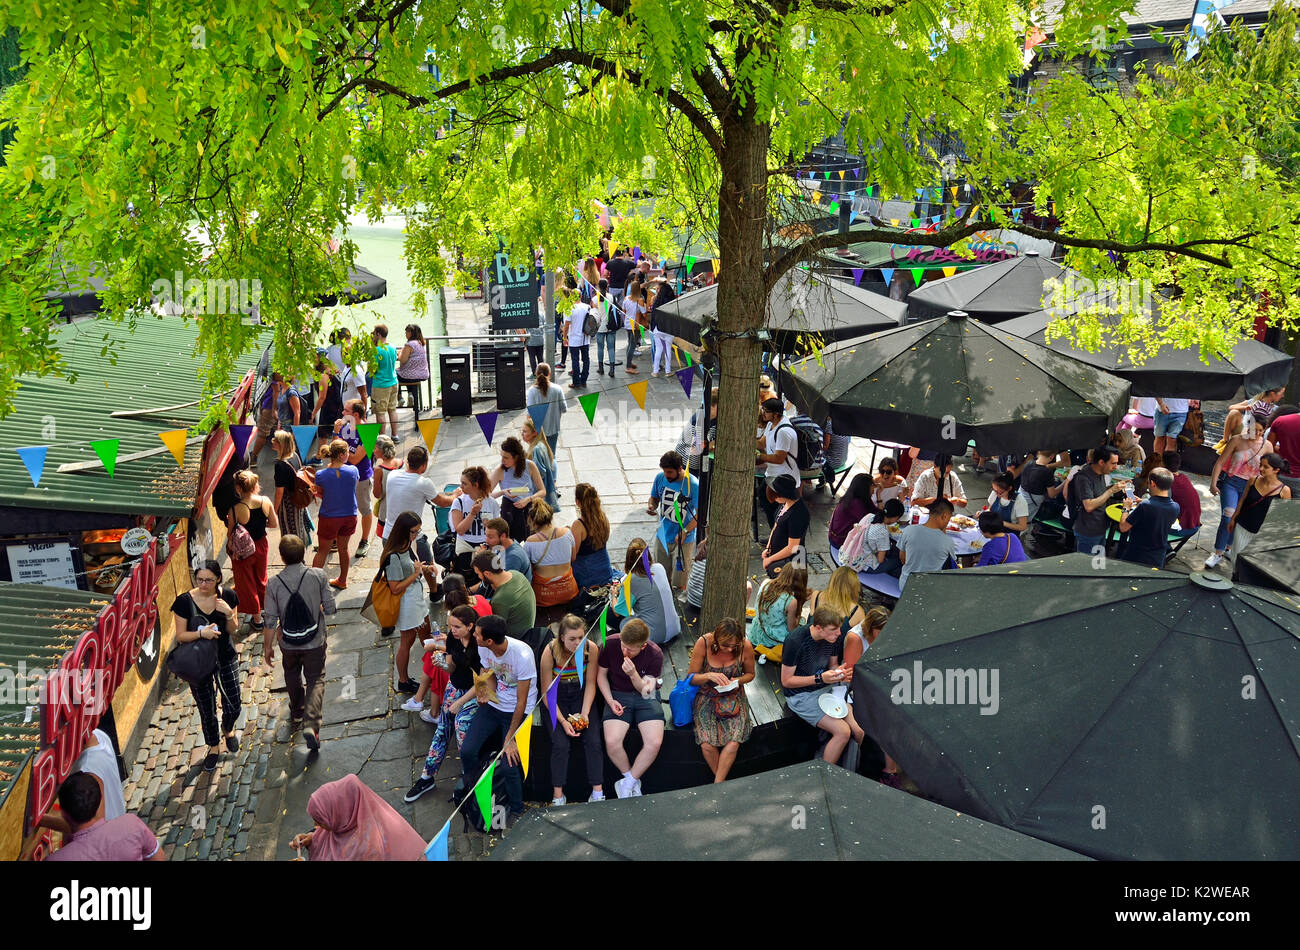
916,222
835,207
690,264
588,403
602,625
368,433
917,274
106,449
483,794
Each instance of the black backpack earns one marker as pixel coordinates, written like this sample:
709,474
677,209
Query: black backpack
472,814
538,638
590,323
809,443
299,623
613,315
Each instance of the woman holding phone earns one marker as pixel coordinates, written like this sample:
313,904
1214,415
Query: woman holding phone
406,574
207,612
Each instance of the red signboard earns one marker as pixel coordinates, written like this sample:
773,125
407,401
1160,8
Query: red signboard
95,667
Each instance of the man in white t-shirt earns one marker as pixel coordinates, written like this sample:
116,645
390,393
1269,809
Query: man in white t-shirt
99,759
351,379
408,489
514,670
579,345
1171,416
778,448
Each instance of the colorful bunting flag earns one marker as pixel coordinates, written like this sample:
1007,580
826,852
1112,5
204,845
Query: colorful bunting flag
588,402
368,433
602,625
483,793
302,437
33,457
174,439
429,430
949,271
437,849
853,215
523,741
816,197
240,436
688,365
954,192
894,222
554,691
686,377
916,222
917,274
645,562
841,174
636,254
689,261
887,273
717,265
538,414
857,279
580,660
487,421
835,207
627,594
1015,213
106,449
828,176
638,392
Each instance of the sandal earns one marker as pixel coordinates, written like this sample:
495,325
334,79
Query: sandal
337,586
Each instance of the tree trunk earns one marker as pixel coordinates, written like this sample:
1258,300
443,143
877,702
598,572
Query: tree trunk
741,305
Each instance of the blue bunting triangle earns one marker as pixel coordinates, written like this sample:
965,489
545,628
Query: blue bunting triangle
303,435
538,414
34,458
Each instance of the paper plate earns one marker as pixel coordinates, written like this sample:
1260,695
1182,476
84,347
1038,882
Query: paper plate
728,688
833,706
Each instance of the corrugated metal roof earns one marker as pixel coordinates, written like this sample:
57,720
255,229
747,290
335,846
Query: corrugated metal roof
38,624
1166,12
155,366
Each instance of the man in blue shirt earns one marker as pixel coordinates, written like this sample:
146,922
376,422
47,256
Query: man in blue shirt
1148,525
674,498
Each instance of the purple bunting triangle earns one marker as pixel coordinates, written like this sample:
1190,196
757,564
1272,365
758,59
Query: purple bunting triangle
857,277
552,696
240,436
686,377
33,457
487,421
645,560
636,254
538,413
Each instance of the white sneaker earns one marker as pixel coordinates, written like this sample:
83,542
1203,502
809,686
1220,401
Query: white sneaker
622,788
1214,560
635,791
559,801
428,717
597,796
413,705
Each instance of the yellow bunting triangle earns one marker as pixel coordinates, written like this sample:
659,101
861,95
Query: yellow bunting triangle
523,739
174,439
717,265
841,174
893,221
429,430
816,197
954,192
949,271
638,392
613,247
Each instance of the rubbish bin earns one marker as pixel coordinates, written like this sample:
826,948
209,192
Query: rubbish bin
510,376
453,366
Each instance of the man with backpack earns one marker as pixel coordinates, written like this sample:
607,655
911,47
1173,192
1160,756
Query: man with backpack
674,497
610,321
778,449
297,601
580,326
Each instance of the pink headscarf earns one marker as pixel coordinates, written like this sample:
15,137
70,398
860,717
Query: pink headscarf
355,824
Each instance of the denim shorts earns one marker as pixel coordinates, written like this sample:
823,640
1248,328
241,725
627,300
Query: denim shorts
1169,424
636,709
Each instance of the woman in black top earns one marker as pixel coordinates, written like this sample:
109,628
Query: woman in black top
786,542
292,520
1257,499
458,702
208,612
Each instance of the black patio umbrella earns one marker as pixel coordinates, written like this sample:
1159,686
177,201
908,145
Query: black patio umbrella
940,383
365,285
803,310
1273,558
992,293
841,816
1116,710
1170,370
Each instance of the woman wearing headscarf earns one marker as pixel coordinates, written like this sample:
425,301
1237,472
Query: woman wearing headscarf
355,824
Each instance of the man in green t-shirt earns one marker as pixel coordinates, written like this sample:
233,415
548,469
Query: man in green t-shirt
512,596
383,391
